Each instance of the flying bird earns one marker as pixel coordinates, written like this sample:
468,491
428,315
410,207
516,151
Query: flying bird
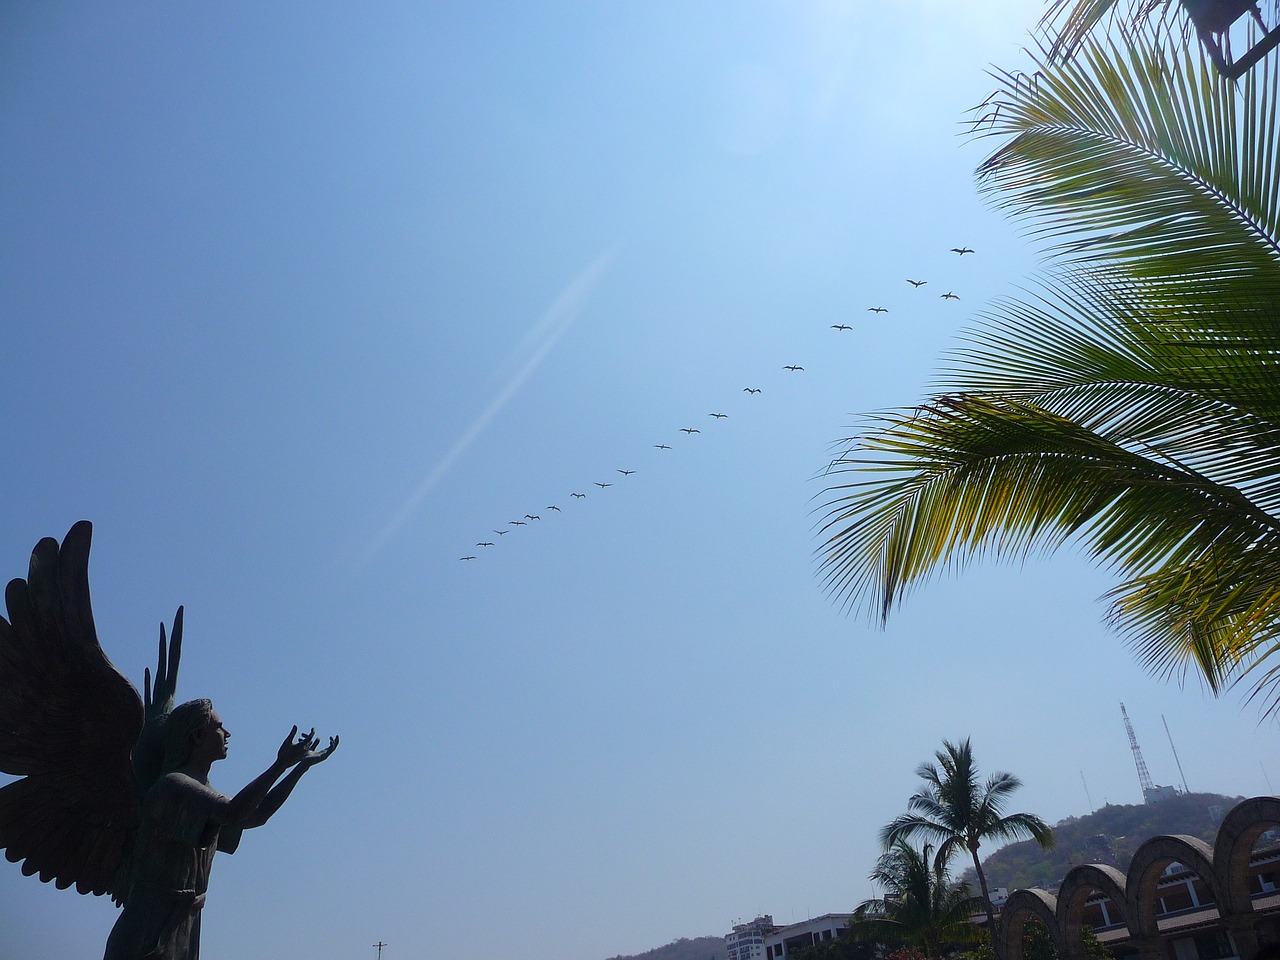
603,485
580,496
877,309
962,250
555,508
841,326
518,523
466,558
917,283
485,543
718,416
690,430
750,389
501,532
792,367
949,296
530,516
661,446
626,473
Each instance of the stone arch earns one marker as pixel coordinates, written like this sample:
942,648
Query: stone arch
1239,831
1021,906
1149,862
1076,886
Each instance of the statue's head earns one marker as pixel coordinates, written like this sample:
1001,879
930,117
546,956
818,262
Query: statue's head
186,728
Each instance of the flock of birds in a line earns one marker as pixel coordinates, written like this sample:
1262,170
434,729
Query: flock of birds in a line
690,431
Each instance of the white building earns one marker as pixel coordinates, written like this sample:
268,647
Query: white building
783,941
747,940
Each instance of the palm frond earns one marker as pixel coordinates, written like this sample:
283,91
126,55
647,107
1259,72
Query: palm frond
1137,158
1083,17
920,904
1131,404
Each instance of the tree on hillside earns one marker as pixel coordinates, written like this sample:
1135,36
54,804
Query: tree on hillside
957,812
921,907
1108,835
1131,404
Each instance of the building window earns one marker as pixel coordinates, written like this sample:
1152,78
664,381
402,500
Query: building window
1213,945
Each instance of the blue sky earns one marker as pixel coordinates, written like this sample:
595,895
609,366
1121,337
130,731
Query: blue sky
303,301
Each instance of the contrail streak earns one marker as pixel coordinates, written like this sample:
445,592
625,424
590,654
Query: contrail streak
542,337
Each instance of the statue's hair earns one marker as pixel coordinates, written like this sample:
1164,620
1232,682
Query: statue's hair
179,729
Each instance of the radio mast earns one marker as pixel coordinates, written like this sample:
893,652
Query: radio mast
1144,775
1185,788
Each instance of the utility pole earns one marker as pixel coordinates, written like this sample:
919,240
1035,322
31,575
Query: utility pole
379,945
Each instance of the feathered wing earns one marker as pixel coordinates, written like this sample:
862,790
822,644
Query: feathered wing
68,721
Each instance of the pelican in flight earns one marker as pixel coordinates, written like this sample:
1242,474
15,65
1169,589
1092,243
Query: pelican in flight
661,446
841,326
603,485
718,416
792,367
917,283
466,558
949,296
750,389
626,473
485,543
530,516
690,430
877,309
962,250
580,496
518,523
555,508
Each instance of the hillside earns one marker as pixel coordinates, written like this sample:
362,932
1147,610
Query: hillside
699,948
1108,835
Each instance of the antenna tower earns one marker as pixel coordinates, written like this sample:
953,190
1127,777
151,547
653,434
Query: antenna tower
1185,788
1144,775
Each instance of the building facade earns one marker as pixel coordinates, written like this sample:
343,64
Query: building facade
1180,899
792,938
747,940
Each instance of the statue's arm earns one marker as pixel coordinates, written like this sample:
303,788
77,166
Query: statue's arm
278,794
237,811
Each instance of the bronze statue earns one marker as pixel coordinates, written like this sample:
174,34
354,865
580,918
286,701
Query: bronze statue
114,795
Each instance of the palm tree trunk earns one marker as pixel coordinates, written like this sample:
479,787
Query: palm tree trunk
986,896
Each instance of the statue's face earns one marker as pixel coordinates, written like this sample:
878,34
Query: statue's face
211,743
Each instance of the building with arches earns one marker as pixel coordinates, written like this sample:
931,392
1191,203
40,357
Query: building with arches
1181,899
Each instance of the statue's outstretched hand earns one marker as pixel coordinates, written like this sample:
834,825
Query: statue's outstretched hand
295,751
316,756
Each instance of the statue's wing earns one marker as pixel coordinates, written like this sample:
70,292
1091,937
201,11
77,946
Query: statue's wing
68,720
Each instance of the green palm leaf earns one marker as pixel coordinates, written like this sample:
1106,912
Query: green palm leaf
920,905
956,811
1131,403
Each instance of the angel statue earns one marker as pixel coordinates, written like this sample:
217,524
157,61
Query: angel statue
113,792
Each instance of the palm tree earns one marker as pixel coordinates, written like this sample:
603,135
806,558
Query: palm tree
1082,17
920,905
956,811
1131,404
